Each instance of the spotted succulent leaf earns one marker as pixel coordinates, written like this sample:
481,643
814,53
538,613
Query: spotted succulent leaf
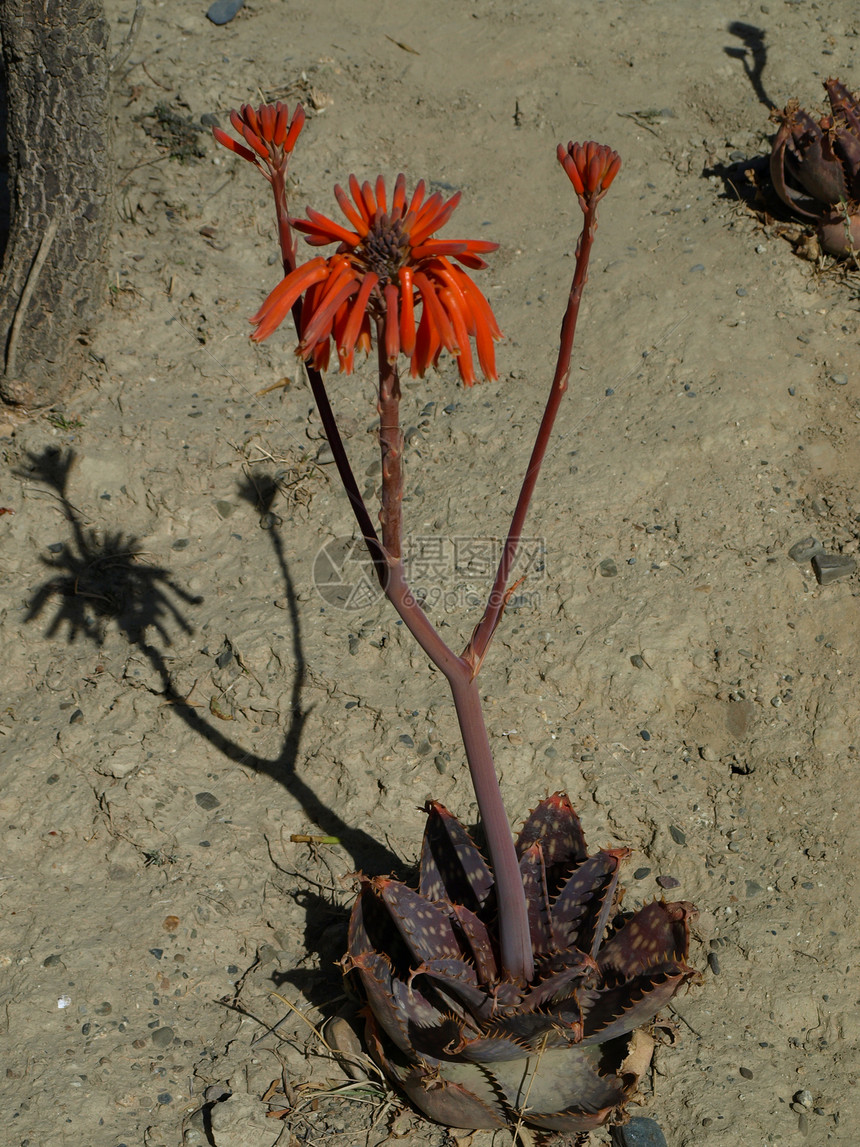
479,943
425,927
377,984
548,1083
452,868
655,937
457,980
555,826
533,875
617,1011
560,974
560,1027
579,905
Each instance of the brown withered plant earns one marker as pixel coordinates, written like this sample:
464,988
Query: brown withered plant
506,989
815,167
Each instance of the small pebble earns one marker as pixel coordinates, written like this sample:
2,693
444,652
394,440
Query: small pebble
637,660
216,1092
639,1132
161,1037
668,882
641,873
677,835
714,963
341,1037
746,1073
405,739
698,267
831,567
741,292
805,550
609,392
644,734
608,568
223,11
207,801
803,1097
839,379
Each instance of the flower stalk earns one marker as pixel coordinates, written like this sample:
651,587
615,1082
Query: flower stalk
386,267
494,993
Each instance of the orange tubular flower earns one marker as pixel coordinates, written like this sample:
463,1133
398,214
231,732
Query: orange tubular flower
590,167
270,133
388,267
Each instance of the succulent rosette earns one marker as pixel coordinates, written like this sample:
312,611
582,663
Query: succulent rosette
815,167
473,1048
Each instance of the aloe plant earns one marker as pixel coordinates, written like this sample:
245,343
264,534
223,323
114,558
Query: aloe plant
473,1047
815,166
503,989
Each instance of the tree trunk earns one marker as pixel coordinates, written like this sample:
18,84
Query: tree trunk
53,273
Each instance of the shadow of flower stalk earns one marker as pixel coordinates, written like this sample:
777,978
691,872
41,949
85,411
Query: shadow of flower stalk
501,991
102,578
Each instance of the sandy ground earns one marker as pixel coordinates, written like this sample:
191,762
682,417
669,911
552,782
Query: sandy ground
178,699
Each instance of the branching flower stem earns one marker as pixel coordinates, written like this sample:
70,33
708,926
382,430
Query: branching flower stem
479,642
387,554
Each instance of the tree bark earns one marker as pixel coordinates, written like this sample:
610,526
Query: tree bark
54,270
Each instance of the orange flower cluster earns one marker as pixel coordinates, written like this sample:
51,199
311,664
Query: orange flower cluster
269,131
590,167
386,268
